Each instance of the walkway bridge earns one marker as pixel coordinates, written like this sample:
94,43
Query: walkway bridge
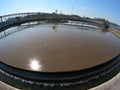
7,21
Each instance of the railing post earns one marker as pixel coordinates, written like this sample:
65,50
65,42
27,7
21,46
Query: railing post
2,20
4,34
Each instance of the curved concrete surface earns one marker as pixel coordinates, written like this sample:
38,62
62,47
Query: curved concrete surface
113,84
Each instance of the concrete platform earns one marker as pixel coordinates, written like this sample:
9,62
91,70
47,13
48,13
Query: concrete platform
113,84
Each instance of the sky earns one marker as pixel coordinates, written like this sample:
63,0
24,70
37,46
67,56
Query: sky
108,9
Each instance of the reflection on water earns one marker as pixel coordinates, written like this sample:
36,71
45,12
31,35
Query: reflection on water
70,48
55,27
35,64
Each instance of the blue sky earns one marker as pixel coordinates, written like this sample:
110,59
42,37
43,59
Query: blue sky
109,9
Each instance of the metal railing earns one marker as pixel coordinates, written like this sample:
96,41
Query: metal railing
8,20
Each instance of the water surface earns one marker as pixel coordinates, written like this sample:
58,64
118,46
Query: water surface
49,48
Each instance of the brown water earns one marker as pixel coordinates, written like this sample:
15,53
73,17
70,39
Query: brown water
67,48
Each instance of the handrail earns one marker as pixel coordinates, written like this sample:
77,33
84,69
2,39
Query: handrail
11,19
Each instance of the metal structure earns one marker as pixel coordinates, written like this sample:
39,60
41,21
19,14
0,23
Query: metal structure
12,19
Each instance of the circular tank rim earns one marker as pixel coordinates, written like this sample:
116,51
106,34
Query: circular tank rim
82,70
56,79
87,78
